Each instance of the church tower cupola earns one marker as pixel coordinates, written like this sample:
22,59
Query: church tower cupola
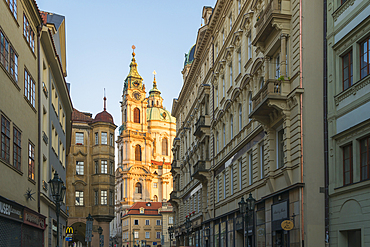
155,99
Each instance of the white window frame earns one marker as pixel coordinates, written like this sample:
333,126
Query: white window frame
147,234
136,234
104,138
79,194
104,167
96,138
79,138
103,197
80,168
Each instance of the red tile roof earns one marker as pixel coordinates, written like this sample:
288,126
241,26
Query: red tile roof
78,116
148,210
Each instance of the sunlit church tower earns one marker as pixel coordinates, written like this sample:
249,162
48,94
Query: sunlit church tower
144,146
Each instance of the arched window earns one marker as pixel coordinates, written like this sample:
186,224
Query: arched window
155,198
164,146
138,153
138,188
136,115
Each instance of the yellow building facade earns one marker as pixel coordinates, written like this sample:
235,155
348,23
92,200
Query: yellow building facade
250,122
90,175
144,146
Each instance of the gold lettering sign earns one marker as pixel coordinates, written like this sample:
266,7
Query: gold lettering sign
287,225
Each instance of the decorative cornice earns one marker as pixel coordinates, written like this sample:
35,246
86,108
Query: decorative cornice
79,152
342,8
352,90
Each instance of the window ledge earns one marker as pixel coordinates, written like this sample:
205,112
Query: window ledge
10,77
11,167
351,187
29,103
32,181
352,90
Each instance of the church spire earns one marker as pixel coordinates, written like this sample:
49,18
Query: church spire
154,82
133,66
105,101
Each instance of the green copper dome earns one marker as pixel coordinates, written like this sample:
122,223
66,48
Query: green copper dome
159,114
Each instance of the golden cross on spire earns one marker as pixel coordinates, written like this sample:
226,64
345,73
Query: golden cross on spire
154,73
154,82
133,50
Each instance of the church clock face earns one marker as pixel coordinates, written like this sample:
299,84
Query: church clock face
136,95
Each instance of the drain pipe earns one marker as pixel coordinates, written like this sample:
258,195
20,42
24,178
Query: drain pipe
39,29
326,134
301,113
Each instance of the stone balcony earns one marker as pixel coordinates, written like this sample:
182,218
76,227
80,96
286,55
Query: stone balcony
175,167
276,15
202,126
201,170
271,97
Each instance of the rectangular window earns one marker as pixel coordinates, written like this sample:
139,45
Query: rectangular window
216,97
218,189
79,198
231,180
96,138
79,168
262,151
147,222
136,222
231,22
217,141
277,63
347,165
170,220
231,74
155,185
96,197
223,86
347,70
224,135
364,58
29,88
147,234
111,140
224,185
12,6
239,6
249,46
158,235
158,222
103,197
223,37
31,161
110,198
13,68
280,148
364,158
4,51
250,168
79,138
16,148
136,234
240,174
8,57
111,168
104,167
104,137
5,139
96,167
28,33
240,62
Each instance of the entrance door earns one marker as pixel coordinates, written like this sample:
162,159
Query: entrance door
280,239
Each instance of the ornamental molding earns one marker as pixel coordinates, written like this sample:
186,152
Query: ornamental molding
79,152
352,90
342,8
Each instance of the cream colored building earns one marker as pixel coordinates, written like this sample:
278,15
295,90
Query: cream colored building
250,120
90,175
144,146
348,94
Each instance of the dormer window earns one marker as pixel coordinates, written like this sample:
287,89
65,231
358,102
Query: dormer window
141,210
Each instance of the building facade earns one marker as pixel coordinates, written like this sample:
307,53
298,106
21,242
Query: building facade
144,146
348,94
28,60
55,121
90,175
245,126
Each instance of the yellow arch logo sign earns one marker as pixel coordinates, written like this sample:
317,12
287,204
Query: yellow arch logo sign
69,230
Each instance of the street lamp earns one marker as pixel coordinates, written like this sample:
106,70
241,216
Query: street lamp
100,231
58,191
187,226
89,224
170,231
245,207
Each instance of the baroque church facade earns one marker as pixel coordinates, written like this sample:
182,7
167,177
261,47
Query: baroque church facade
144,146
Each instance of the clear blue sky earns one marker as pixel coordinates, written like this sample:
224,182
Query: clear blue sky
99,39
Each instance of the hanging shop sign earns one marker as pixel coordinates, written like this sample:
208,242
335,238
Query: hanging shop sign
287,225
